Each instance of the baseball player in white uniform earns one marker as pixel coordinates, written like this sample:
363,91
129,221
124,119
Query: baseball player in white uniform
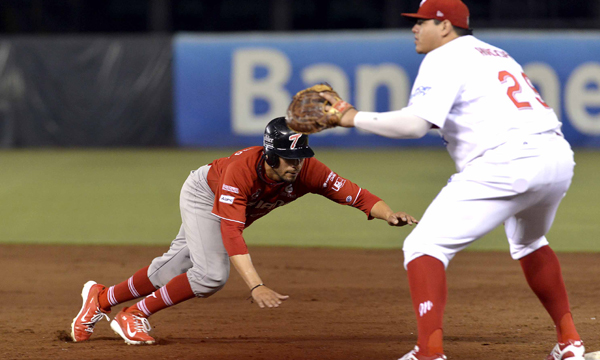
513,168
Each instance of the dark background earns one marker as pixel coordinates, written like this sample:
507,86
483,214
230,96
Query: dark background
168,16
98,73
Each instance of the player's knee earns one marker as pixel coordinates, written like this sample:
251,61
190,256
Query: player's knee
415,248
205,285
160,276
518,251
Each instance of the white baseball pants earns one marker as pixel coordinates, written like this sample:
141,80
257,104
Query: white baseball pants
520,184
198,248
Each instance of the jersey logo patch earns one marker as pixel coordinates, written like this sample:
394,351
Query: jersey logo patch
232,189
226,199
329,178
339,183
420,91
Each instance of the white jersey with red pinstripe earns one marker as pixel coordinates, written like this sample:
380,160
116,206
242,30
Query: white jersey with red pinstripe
479,97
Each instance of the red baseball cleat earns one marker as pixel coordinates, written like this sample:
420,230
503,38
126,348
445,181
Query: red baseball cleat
413,355
571,350
90,313
133,327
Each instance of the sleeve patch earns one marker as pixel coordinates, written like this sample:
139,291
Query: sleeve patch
339,183
226,199
329,178
232,189
420,91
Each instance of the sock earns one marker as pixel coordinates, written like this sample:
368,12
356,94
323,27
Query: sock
427,282
176,291
136,286
543,274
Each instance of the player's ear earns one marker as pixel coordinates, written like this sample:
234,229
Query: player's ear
447,27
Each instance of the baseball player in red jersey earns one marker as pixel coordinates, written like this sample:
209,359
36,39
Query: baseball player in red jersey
218,201
514,167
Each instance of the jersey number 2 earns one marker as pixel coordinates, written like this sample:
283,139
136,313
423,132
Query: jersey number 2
516,89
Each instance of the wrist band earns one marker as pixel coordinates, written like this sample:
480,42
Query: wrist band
256,287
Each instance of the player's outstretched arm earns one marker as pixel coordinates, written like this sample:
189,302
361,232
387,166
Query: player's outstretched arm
382,211
262,295
396,124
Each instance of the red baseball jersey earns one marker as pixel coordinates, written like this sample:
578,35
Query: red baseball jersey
243,193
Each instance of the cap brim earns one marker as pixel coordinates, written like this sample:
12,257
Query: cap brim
423,17
415,16
297,154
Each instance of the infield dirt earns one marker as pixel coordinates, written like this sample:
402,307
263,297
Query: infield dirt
344,304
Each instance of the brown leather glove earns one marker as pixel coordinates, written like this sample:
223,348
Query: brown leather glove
307,112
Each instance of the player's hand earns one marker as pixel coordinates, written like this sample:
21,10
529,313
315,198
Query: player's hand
400,219
265,297
347,119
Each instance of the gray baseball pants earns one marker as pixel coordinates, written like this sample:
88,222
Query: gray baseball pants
198,249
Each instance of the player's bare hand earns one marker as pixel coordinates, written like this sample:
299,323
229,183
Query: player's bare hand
401,218
265,297
347,119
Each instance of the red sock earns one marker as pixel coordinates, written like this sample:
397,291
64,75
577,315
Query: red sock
542,271
136,286
176,291
427,282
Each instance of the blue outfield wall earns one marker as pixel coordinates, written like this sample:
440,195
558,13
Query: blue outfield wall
227,87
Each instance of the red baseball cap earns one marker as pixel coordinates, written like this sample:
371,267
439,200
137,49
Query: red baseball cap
453,10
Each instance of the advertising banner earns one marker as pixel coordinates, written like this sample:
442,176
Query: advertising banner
227,87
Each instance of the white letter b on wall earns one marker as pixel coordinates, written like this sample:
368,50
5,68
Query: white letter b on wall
246,88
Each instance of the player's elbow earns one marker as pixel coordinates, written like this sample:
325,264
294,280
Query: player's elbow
417,131
414,127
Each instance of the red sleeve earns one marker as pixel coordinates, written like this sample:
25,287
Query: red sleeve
231,232
322,180
231,193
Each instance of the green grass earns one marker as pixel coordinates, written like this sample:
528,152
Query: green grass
131,197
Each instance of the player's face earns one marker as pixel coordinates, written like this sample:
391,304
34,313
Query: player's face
288,169
428,36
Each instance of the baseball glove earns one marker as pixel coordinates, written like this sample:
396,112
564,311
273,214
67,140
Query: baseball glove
306,113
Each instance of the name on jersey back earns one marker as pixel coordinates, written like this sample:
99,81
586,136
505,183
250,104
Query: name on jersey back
492,52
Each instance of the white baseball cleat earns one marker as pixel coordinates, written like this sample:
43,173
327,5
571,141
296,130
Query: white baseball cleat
571,350
412,355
